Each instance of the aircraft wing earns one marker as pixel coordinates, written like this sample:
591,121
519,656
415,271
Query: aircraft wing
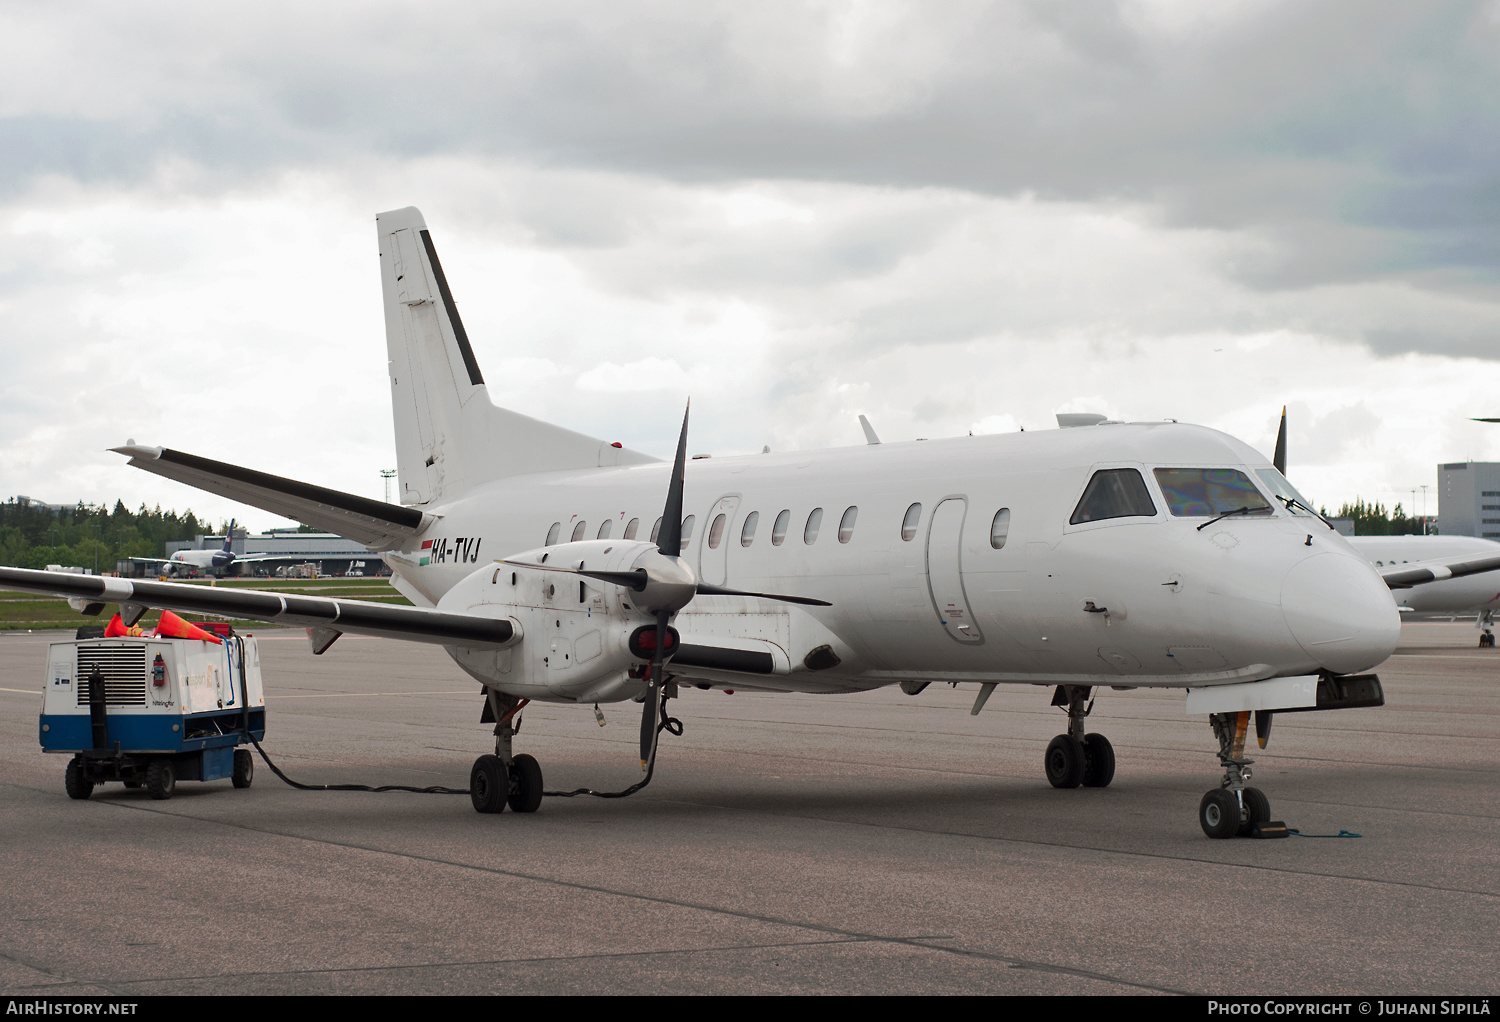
417,624
376,524
1404,576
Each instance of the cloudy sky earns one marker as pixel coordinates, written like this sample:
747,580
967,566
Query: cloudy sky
949,217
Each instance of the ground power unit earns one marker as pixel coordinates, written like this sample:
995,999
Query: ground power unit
149,712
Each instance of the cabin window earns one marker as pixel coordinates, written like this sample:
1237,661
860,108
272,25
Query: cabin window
1114,493
553,533
1000,528
687,527
747,531
778,530
716,532
606,528
846,524
909,523
578,530
631,526
1206,492
814,522
656,530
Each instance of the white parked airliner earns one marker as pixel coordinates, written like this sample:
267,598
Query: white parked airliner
545,562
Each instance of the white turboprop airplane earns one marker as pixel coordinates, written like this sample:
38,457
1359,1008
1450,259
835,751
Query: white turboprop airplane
1120,555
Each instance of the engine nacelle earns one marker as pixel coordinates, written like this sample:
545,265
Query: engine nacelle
576,631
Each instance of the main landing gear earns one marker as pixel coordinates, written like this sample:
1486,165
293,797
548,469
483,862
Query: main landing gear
1232,809
505,779
1076,758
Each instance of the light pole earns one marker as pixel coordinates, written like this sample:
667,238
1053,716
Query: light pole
1424,509
387,474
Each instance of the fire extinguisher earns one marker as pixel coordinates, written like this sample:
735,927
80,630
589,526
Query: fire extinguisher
158,671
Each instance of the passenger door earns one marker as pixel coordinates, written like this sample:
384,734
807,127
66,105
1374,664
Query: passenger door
713,554
944,575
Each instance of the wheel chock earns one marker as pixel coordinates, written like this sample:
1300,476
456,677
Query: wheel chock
1269,829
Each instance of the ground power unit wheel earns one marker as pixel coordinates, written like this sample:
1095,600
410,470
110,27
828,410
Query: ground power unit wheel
161,779
76,781
244,768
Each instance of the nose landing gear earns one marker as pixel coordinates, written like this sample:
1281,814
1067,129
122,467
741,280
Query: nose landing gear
1077,758
1232,809
1486,635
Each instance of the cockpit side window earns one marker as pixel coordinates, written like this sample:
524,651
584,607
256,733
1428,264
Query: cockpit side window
1206,492
1114,493
1281,490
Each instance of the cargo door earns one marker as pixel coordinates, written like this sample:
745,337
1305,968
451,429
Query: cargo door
944,576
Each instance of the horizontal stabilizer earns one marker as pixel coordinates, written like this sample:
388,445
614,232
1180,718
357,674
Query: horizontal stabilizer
376,524
416,624
1405,576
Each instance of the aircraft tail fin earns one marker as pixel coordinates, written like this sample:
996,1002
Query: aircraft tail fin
449,436
229,538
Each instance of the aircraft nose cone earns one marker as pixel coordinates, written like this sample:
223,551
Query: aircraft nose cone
1340,612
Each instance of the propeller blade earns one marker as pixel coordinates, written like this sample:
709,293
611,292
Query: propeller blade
712,590
651,705
1279,460
649,713
669,540
1486,420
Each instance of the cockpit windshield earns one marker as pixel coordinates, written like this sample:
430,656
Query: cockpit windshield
1207,492
1284,491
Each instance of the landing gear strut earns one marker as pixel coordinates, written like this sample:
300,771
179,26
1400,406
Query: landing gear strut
504,778
1232,809
1486,635
1077,758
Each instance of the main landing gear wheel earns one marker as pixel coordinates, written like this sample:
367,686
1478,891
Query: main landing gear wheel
1487,640
1064,762
161,780
76,781
244,768
1219,813
1257,809
489,784
525,784
1098,761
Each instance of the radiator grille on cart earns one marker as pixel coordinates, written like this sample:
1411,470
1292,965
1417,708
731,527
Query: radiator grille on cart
123,669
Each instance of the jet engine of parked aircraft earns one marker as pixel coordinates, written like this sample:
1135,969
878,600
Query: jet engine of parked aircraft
1108,555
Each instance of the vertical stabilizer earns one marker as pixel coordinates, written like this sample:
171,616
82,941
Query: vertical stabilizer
449,436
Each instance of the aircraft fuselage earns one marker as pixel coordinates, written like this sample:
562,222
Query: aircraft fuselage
1134,601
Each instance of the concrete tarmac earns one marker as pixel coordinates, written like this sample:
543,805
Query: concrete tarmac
877,844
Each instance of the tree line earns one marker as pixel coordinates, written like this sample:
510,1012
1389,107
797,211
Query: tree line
1372,519
85,536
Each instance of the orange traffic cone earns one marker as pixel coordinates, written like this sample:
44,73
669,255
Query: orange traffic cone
115,628
173,627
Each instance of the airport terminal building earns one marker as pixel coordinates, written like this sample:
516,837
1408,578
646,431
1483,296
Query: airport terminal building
1469,499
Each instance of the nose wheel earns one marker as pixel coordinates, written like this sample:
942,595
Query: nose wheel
1077,758
1233,809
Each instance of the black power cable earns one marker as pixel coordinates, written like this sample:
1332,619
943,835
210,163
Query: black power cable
671,725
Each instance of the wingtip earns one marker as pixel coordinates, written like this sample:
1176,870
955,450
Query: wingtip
131,449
